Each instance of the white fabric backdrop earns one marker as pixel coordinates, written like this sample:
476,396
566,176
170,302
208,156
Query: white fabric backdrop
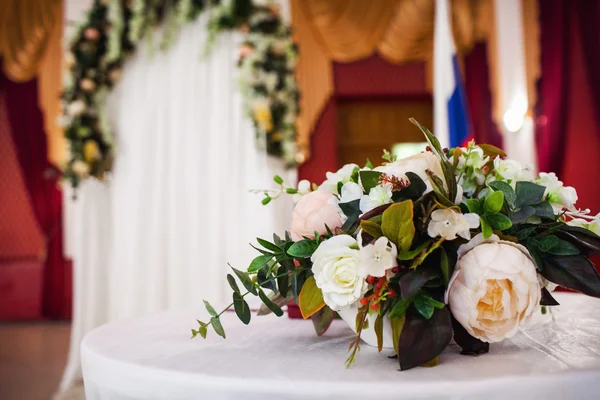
178,206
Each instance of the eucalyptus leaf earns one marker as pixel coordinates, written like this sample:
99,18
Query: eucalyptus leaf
232,283
303,248
524,233
259,262
245,279
210,308
509,194
528,193
216,324
544,210
520,216
278,300
270,305
268,245
351,210
242,309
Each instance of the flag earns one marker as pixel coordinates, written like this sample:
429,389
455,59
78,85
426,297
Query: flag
452,125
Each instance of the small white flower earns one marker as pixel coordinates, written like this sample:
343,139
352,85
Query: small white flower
337,273
448,223
507,170
76,108
303,187
343,175
377,258
559,196
80,168
351,191
378,196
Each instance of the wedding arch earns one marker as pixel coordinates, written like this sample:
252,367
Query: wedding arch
110,34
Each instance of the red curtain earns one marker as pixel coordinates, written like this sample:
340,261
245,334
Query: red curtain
551,113
479,97
42,182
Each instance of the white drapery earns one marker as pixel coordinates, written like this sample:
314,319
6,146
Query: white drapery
159,235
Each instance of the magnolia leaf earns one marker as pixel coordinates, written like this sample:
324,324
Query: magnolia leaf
398,226
276,299
492,151
369,179
493,203
397,324
414,280
303,248
245,279
242,309
573,272
499,221
210,309
232,283
470,346
509,194
270,305
310,299
528,193
379,332
547,299
322,320
423,339
259,262
371,228
216,324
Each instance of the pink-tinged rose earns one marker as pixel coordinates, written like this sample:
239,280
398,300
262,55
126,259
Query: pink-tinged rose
91,34
312,213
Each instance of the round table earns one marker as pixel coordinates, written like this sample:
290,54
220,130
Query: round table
281,358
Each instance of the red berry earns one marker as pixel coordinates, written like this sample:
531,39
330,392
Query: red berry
370,279
379,284
395,270
486,169
364,301
375,307
391,294
428,148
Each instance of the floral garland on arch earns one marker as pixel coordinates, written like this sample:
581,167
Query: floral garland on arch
459,243
110,33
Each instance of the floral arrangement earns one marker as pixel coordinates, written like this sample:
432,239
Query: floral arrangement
110,33
458,242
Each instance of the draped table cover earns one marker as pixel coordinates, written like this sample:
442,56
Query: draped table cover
281,358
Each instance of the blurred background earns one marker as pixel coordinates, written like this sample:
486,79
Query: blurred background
174,204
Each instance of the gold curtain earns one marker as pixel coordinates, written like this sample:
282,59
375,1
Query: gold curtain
398,30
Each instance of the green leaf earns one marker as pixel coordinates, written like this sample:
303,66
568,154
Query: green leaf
474,206
423,307
268,245
525,232
528,193
398,226
369,179
573,272
210,309
371,228
351,210
413,191
369,164
379,332
283,280
518,217
444,266
399,309
322,320
203,331
509,194
241,308
494,202
554,245
544,210
259,262
278,300
233,283
438,188
310,299
486,228
266,200
270,305
216,324
492,151
423,339
587,241
278,180
499,221
397,325
245,279
411,282
303,248
410,254
291,191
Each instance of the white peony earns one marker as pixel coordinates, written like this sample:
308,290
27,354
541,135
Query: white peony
417,164
448,223
377,258
494,289
378,196
336,265
343,175
559,196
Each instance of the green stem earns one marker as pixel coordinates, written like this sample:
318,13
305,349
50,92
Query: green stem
418,261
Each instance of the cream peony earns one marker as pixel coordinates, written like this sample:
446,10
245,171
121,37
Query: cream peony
336,265
417,164
494,289
312,213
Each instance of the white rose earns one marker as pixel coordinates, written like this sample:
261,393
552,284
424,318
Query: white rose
448,223
494,289
337,274
417,164
343,175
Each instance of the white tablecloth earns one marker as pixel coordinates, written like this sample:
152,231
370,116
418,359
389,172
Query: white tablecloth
279,358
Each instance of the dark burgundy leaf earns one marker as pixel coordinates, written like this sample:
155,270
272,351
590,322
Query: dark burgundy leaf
470,346
413,281
588,242
547,299
423,339
322,320
573,272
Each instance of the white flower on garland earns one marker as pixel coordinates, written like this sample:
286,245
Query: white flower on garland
261,109
342,175
560,196
378,196
80,168
448,223
76,108
377,258
336,265
471,167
